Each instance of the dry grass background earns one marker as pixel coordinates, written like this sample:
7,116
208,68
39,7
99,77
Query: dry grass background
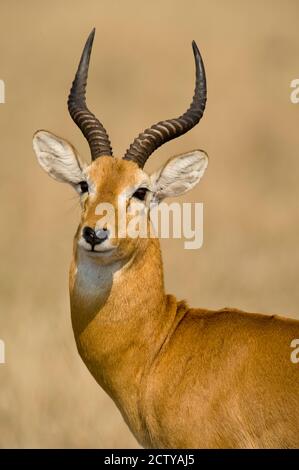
141,72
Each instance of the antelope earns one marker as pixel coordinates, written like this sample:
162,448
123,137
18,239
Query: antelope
181,377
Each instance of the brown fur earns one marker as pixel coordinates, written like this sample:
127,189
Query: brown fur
181,377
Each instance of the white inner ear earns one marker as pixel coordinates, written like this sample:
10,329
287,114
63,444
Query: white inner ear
179,174
57,157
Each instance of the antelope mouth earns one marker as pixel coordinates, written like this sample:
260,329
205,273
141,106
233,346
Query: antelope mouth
101,251
97,249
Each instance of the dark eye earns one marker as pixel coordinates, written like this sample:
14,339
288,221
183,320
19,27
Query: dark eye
83,186
140,193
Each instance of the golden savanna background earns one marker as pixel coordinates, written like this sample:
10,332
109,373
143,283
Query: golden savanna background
142,71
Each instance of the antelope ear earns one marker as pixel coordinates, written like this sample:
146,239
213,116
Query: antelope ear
57,157
179,174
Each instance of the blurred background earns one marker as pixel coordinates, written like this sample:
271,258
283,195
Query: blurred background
141,72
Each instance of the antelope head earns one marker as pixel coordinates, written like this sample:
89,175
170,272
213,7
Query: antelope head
107,180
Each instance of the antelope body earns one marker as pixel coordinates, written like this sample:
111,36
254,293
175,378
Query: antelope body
181,377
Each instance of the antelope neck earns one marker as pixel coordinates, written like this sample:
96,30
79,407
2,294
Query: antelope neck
121,317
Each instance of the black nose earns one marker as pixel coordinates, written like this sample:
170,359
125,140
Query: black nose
95,238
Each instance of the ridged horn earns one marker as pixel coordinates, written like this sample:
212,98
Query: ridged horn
92,129
152,138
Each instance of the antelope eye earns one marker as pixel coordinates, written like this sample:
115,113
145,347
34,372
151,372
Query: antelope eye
140,193
83,186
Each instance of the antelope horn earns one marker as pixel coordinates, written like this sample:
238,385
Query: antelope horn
149,140
92,129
